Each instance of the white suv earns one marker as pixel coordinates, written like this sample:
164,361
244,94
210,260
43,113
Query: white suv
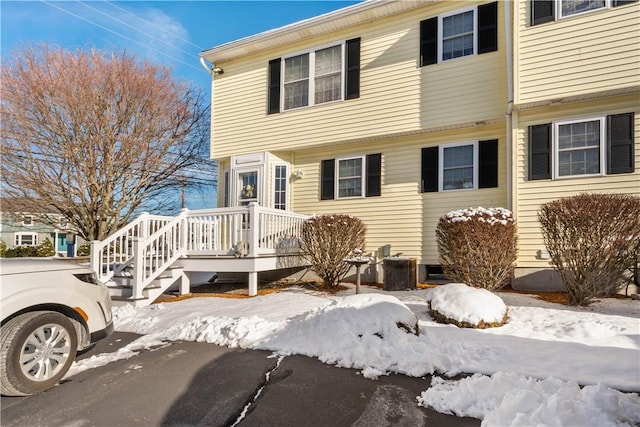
50,310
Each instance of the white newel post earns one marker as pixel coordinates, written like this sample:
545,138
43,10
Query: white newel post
184,230
94,258
143,231
138,268
254,222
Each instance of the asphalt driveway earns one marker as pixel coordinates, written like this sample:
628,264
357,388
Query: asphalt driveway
200,384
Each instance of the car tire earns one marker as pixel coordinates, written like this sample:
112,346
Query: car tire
37,350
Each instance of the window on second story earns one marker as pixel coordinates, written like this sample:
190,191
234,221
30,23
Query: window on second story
27,220
547,10
461,33
582,147
315,77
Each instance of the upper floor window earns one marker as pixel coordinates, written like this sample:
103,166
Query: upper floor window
547,10
27,220
318,76
350,177
582,147
459,163
26,239
460,33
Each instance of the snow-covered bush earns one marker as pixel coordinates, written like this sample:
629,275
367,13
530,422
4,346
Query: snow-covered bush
45,248
327,240
478,246
593,241
466,307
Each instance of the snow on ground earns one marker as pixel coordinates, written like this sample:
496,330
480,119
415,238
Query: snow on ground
526,372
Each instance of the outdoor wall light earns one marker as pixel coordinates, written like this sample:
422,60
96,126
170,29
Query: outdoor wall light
299,174
218,70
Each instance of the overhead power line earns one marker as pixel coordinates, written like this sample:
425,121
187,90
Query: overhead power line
119,34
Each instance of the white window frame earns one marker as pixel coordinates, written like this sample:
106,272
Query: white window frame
441,149
312,76
287,173
17,239
556,145
441,18
247,163
558,5
29,223
363,176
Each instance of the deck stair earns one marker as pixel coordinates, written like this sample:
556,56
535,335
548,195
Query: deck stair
153,253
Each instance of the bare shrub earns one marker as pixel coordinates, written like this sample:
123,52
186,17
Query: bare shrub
327,240
593,241
478,246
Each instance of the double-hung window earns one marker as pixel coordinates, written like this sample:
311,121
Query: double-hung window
458,34
580,147
27,220
319,76
313,78
459,166
350,177
549,10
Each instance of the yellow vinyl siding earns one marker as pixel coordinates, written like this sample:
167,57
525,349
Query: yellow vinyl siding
532,194
588,53
396,95
402,216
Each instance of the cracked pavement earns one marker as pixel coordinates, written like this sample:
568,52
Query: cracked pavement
200,384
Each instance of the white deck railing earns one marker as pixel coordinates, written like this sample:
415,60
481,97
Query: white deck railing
150,244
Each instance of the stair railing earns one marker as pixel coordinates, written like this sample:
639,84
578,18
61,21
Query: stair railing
115,253
155,253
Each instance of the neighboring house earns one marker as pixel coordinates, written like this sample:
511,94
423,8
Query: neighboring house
23,228
399,112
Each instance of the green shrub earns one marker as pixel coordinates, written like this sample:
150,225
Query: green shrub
45,248
593,241
84,250
478,246
327,240
22,252
3,249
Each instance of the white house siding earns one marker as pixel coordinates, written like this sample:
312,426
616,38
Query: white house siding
402,216
586,53
397,96
531,194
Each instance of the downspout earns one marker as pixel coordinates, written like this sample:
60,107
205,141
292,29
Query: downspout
509,47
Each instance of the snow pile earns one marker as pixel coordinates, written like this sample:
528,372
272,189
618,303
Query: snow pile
506,399
467,305
490,215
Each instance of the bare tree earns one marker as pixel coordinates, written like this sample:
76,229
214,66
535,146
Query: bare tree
97,136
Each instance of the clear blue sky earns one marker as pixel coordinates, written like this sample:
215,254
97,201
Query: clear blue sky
169,32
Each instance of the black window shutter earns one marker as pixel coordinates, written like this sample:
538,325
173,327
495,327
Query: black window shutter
622,2
542,11
274,86
374,174
488,27
327,176
540,152
429,41
352,69
620,141
488,164
429,173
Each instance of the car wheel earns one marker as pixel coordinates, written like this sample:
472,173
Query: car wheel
38,348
